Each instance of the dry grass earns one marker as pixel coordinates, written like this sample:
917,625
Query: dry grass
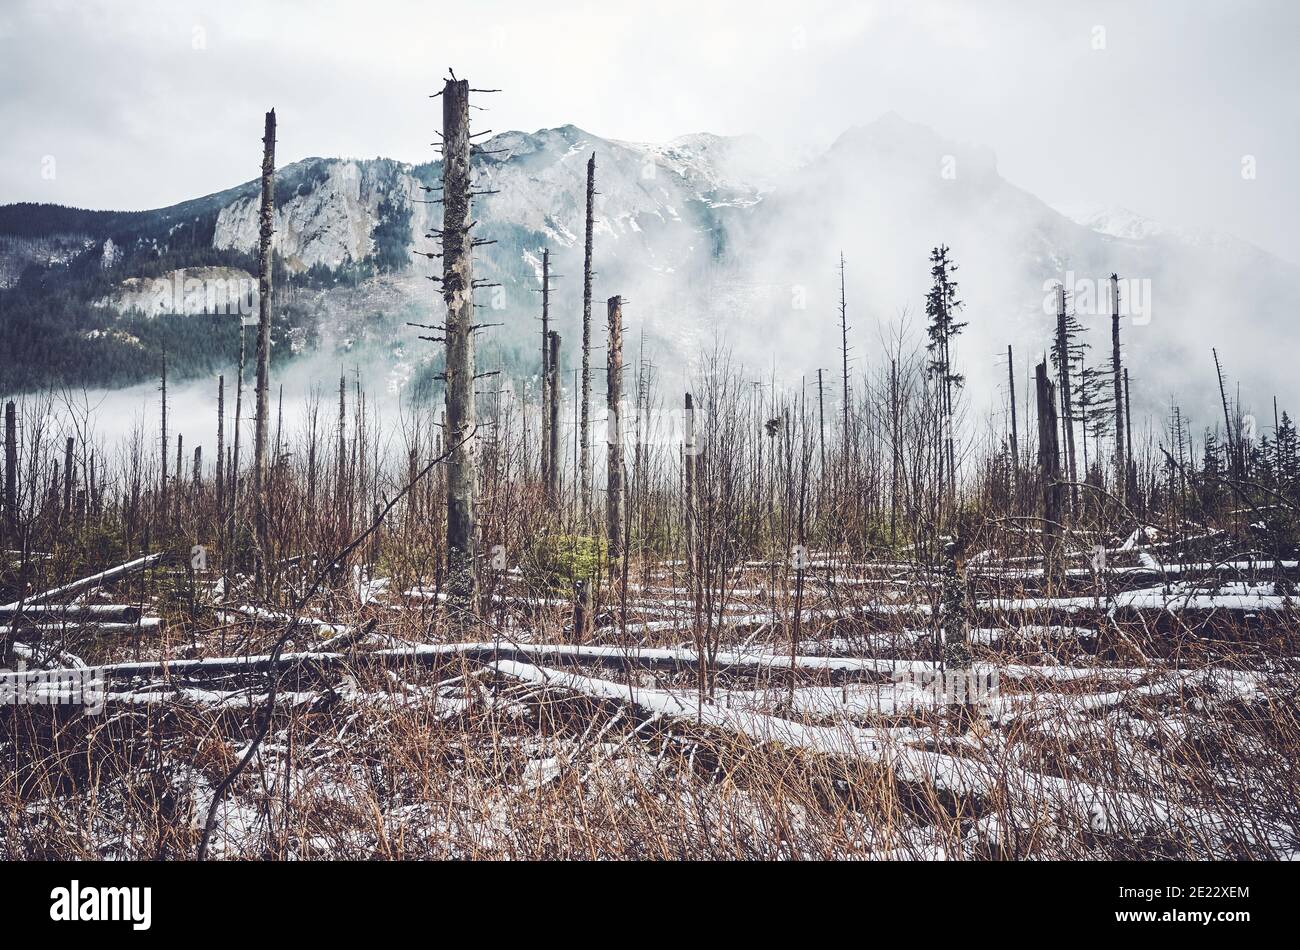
1115,733
457,760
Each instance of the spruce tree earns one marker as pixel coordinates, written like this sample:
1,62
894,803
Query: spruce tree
941,306
1286,458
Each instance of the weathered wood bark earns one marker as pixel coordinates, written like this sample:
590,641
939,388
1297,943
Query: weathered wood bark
221,446
553,424
436,654
239,408
584,434
844,358
458,295
638,454
689,450
261,423
88,583
341,468
896,449
1227,418
1128,431
179,477
821,421
546,370
162,485
11,467
69,476
60,615
279,425
1049,466
1067,404
196,476
1015,433
614,429
311,463
582,619
1121,467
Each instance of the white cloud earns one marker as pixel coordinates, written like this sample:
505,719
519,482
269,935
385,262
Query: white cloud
1158,121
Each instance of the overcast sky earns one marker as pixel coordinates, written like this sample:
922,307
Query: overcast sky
1150,106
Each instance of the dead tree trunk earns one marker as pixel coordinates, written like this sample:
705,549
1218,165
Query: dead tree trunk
821,422
896,449
582,620
584,435
11,466
266,229
639,397
341,469
239,408
458,295
1121,468
311,463
1227,418
69,476
221,445
614,429
1063,350
196,476
553,424
844,358
689,450
162,485
1131,474
1015,435
546,372
577,467
947,422
1049,466
279,425
180,480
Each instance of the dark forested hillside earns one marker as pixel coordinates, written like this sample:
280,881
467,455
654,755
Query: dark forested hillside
55,330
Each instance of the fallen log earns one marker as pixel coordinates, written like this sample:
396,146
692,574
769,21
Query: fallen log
88,583
262,615
99,627
72,613
987,785
678,659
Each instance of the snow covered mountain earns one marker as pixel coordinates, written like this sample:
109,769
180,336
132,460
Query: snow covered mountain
714,239
1117,222
333,207
887,192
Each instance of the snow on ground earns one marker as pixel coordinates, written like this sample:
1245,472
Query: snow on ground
1064,740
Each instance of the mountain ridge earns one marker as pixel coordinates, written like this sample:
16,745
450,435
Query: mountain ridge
705,233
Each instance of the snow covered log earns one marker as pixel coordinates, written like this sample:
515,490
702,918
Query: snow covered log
990,787
74,613
88,583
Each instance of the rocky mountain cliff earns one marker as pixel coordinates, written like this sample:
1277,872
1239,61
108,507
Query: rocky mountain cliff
710,239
